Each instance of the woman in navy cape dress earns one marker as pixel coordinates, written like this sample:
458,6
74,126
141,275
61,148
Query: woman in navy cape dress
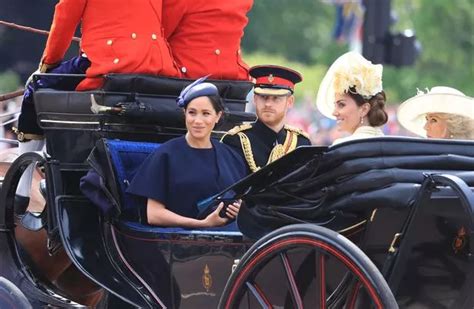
188,169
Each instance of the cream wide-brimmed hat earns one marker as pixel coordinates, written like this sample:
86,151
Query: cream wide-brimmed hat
349,70
411,113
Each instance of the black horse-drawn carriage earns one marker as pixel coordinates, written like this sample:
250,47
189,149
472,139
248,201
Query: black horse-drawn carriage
382,222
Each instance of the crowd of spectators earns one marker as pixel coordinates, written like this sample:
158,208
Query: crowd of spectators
323,131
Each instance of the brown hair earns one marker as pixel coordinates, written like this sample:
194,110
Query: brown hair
377,115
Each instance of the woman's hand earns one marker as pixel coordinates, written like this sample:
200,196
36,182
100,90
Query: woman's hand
214,219
233,209
157,214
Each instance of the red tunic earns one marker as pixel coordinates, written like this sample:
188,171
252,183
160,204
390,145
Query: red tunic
205,36
118,36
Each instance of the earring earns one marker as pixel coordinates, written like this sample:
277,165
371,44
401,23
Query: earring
361,120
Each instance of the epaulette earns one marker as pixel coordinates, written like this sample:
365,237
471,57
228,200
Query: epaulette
296,130
238,129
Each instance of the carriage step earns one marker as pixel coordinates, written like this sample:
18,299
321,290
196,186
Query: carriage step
32,221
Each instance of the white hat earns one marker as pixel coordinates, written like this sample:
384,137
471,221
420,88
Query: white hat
349,70
411,113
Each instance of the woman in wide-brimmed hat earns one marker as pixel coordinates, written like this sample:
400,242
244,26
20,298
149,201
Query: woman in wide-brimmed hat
443,112
351,92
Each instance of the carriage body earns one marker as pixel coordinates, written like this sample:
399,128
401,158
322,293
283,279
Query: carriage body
366,191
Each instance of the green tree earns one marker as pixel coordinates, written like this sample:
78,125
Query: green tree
9,81
299,32
446,32
312,74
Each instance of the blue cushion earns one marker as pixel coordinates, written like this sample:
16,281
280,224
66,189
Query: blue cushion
227,230
126,158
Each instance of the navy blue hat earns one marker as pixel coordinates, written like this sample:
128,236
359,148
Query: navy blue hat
195,90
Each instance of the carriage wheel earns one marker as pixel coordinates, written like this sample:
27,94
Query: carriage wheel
42,279
11,180
306,266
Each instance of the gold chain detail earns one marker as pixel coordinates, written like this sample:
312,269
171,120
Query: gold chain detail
247,150
277,152
293,142
280,150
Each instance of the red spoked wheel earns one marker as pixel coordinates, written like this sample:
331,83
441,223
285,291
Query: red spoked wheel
306,266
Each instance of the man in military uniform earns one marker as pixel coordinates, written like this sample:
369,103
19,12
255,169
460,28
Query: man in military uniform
269,138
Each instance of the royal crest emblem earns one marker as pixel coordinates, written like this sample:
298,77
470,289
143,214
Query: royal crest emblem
460,240
270,78
206,279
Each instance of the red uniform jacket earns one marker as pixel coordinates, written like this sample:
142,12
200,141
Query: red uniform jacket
205,36
118,36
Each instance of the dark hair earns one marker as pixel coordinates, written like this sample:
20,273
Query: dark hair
216,102
377,115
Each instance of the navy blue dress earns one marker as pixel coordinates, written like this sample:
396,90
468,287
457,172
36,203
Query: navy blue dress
179,176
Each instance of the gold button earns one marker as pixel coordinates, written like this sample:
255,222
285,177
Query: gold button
109,42
116,60
183,69
153,36
218,51
134,35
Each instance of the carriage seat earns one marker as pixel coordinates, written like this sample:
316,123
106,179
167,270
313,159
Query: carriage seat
117,88
124,159
159,85
150,101
352,179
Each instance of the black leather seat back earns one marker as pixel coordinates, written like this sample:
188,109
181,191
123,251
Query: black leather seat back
72,129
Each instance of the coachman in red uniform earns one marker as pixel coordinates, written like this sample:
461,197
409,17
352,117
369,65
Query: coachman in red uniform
118,36
205,36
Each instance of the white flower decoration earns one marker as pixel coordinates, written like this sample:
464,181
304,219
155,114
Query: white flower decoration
364,76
